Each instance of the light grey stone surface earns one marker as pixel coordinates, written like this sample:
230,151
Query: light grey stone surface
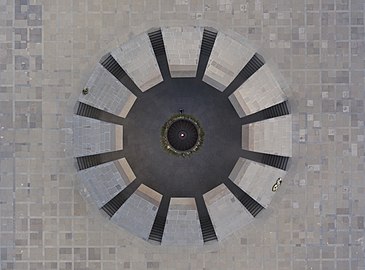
138,213
103,182
258,92
256,179
182,223
107,93
316,219
92,136
224,63
271,136
182,45
138,60
226,212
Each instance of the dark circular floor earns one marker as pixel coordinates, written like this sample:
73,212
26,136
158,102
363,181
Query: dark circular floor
171,175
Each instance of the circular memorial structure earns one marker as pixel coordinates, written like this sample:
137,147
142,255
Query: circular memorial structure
234,134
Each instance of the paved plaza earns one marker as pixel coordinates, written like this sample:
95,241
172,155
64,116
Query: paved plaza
50,48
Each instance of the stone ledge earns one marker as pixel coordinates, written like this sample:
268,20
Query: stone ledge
149,194
125,170
128,106
182,204
118,137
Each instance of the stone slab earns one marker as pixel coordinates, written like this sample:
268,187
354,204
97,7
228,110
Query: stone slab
227,59
182,45
138,60
271,136
259,92
103,182
226,212
137,214
256,179
107,93
92,136
182,223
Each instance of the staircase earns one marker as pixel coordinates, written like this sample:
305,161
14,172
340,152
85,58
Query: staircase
255,63
251,205
247,201
276,110
207,229
157,229
158,47
87,111
87,162
158,226
206,225
157,42
209,36
113,67
95,113
279,162
114,204
251,67
271,112
208,40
